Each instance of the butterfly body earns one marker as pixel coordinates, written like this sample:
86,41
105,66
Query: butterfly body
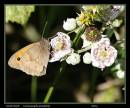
32,59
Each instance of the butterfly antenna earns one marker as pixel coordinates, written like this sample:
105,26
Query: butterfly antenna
52,37
44,28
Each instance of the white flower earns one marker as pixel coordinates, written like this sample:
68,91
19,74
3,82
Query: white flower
116,23
116,6
69,24
103,54
85,7
118,66
122,45
86,43
119,7
56,56
73,59
61,46
103,36
120,74
93,8
87,58
122,8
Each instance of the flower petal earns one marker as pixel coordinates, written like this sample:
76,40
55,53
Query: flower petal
60,54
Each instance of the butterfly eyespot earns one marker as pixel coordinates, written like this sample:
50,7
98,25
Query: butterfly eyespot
18,58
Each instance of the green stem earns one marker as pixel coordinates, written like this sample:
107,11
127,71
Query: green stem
93,83
48,95
79,33
61,70
34,89
72,31
76,39
51,89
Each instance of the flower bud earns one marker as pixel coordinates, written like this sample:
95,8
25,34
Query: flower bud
116,23
69,24
120,74
92,34
87,58
73,59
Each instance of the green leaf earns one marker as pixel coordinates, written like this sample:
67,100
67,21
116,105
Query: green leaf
18,14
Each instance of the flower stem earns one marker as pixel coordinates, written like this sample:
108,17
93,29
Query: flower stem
61,70
48,95
84,49
76,39
94,77
72,31
51,88
34,89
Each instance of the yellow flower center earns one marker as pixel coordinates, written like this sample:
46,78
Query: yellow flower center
103,54
59,45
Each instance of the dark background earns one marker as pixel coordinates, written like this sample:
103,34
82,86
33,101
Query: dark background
18,84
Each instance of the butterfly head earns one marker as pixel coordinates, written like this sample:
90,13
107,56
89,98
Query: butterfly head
45,42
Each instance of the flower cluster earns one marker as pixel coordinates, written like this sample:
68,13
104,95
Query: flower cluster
96,46
93,13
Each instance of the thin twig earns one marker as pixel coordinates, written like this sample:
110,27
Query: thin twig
84,49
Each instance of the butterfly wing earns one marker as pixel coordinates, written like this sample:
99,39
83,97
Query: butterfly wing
32,59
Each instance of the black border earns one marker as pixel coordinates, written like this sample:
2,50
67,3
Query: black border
1,50
57,2
63,1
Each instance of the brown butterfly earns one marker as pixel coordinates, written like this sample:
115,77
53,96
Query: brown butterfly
32,59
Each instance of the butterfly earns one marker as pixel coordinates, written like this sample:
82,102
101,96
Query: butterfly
32,59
